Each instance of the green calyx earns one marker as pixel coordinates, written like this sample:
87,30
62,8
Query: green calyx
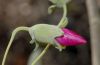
45,33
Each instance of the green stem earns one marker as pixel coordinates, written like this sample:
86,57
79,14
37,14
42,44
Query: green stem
62,21
11,40
51,8
43,52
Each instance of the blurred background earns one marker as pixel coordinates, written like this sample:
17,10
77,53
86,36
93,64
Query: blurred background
14,13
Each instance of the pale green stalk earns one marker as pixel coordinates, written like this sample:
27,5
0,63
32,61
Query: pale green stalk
63,21
11,40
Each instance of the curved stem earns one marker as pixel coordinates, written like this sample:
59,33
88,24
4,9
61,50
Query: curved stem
43,52
11,40
64,17
50,9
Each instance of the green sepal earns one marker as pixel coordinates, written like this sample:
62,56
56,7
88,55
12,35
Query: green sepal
58,46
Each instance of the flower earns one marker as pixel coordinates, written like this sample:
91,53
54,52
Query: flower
70,38
54,35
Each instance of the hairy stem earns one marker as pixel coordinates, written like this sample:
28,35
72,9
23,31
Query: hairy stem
11,40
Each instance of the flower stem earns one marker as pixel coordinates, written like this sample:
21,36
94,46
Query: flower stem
43,52
11,40
63,23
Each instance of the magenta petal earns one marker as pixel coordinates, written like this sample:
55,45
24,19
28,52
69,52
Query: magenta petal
70,38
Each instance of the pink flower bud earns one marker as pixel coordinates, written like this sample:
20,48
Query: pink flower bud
70,38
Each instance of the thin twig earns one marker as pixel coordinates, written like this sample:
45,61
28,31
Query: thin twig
94,21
